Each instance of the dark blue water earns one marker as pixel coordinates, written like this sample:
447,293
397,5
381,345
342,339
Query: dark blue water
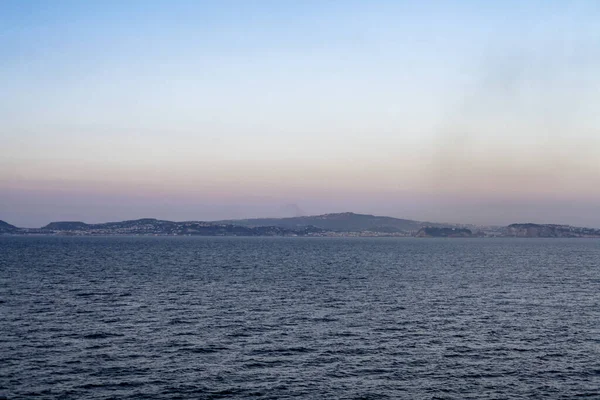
200,318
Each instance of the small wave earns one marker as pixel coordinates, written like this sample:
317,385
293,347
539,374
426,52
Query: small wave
179,321
325,319
203,350
283,350
124,384
262,364
101,335
90,294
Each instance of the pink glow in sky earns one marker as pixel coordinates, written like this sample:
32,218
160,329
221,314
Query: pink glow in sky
458,113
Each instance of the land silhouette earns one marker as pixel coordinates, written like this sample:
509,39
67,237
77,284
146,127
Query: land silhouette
334,224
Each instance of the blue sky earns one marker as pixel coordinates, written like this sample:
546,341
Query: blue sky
470,111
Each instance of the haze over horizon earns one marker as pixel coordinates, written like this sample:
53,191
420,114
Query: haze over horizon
461,112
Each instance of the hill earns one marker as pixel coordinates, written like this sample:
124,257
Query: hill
550,231
5,227
150,226
66,226
339,222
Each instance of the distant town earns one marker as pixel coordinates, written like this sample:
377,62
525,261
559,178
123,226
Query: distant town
346,224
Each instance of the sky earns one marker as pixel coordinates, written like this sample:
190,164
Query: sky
450,111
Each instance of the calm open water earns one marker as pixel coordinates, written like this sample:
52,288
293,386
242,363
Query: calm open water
200,318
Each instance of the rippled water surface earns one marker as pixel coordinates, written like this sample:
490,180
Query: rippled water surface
199,318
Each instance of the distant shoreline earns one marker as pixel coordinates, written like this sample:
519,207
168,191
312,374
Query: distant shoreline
125,236
327,225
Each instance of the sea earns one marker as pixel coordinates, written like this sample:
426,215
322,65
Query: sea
304,318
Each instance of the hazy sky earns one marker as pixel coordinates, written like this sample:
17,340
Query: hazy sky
456,111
